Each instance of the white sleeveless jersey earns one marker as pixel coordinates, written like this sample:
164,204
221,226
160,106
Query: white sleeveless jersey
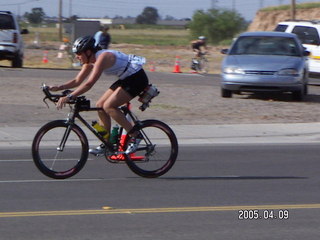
124,66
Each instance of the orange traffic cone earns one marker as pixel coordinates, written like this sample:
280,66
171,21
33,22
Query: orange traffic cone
177,65
153,68
45,57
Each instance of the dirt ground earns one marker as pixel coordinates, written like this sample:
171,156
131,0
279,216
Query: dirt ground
177,104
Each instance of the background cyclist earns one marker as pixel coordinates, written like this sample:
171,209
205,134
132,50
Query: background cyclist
95,61
199,46
102,37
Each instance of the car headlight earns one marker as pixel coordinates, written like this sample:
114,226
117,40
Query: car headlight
288,71
233,70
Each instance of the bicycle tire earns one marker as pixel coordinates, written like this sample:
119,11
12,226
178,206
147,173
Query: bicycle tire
204,65
56,163
156,153
197,67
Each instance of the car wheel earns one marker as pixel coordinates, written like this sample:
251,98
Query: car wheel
17,62
305,89
297,95
225,93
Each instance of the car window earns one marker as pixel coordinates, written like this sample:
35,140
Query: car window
281,28
307,35
6,22
265,46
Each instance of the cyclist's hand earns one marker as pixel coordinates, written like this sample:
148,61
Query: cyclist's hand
62,102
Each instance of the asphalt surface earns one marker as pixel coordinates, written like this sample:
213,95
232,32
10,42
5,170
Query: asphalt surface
208,194
224,173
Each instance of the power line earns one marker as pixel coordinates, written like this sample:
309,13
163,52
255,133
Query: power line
15,4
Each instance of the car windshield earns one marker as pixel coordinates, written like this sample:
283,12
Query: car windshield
265,46
6,22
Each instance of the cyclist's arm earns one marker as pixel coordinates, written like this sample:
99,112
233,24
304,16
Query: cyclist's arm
82,75
205,47
104,61
81,88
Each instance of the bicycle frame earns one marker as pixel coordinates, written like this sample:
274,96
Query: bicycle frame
197,62
75,114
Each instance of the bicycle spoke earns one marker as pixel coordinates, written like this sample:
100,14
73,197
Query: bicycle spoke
59,151
156,153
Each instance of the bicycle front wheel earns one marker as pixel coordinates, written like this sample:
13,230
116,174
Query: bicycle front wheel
60,149
156,153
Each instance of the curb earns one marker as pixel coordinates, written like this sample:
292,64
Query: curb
300,133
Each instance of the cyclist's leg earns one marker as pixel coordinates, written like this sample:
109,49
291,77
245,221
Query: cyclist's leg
111,107
127,89
195,53
104,118
110,101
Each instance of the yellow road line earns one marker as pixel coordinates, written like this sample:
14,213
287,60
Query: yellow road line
109,210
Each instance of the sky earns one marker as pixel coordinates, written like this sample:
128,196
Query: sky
176,8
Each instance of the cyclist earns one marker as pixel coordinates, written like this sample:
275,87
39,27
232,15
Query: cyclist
95,61
199,45
102,37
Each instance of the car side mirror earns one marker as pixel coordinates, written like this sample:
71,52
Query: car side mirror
24,31
306,53
224,51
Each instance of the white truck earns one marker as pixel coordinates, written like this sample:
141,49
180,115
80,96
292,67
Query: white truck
308,31
11,42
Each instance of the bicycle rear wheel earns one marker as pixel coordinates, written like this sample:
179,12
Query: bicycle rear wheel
156,153
203,65
59,149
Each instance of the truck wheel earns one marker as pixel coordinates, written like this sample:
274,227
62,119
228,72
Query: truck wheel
17,62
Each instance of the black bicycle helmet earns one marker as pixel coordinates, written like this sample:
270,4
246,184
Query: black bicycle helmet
82,44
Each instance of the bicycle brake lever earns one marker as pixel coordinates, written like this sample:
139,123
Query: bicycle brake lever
44,100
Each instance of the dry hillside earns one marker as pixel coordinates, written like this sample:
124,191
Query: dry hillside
267,20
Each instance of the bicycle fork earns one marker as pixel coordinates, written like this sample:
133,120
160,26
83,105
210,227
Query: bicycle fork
64,139
70,122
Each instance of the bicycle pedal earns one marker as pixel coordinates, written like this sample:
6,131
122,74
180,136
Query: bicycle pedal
98,152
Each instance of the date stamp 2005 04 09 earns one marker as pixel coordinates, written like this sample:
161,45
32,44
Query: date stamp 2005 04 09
255,214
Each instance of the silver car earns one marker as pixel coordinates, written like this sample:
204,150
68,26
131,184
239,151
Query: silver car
265,62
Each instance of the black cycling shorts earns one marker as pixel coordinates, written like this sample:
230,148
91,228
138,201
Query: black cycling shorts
133,84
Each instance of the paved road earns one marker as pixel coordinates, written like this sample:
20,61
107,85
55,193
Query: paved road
199,199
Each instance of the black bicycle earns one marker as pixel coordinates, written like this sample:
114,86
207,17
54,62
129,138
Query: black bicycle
200,64
60,148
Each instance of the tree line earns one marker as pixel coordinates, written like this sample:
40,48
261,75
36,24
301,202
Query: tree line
216,24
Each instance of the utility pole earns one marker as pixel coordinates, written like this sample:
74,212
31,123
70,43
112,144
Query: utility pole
213,3
293,9
261,3
60,20
70,8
